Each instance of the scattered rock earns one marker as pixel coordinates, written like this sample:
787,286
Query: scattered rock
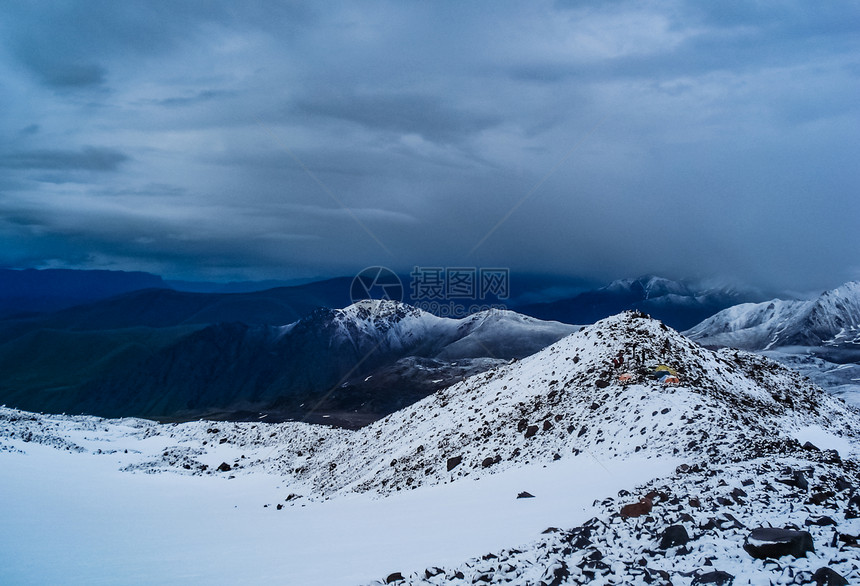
820,522
852,511
800,480
827,577
531,430
842,484
487,462
773,542
674,536
717,577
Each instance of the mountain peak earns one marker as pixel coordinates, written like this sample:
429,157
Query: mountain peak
832,318
596,391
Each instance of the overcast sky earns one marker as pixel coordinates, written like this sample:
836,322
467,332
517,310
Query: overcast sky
210,140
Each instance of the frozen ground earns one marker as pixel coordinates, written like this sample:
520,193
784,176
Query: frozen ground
75,518
91,501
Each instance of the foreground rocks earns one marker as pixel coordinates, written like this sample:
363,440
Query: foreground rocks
707,524
771,542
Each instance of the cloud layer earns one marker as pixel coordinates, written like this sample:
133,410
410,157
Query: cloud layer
223,140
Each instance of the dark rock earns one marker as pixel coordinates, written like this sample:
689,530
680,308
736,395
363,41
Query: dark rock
522,425
547,425
559,575
224,467
601,384
820,498
773,542
532,429
827,577
454,462
799,479
487,462
717,577
695,503
395,577
852,511
525,495
810,446
674,536
842,484
821,522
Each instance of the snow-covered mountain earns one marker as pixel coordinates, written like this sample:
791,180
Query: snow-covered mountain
362,358
567,399
441,477
832,319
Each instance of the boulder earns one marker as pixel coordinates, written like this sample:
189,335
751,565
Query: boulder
224,467
827,577
454,462
718,577
800,480
674,536
395,577
773,542
525,495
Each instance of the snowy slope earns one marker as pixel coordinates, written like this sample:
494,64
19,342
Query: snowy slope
830,319
435,483
395,326
565,400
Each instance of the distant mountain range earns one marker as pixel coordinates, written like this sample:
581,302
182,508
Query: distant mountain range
31,290
130,345
831,319
679,305
818,337
321,364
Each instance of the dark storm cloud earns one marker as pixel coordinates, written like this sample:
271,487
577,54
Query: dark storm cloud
85,159
65,74
427,116
269,139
